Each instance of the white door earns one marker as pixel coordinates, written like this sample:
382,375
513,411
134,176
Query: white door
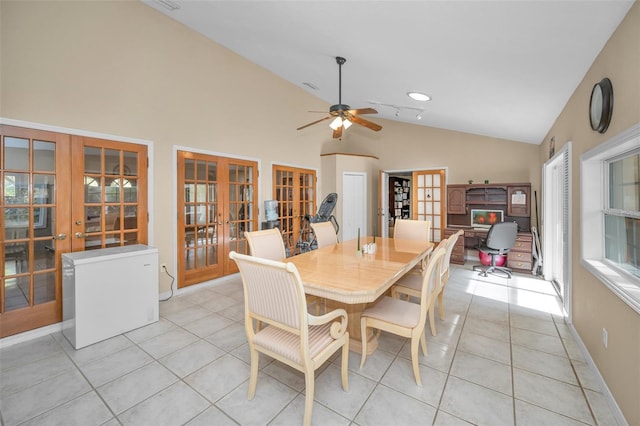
354,205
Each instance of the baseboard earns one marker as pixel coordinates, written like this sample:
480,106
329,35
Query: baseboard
30,335
205,284
615,409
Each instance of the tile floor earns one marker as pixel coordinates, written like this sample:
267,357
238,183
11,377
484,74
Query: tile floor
503,356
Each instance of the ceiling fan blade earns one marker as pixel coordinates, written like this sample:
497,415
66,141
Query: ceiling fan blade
314,122
366,123
337,133
363,111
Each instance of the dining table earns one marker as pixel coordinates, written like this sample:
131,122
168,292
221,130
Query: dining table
346,277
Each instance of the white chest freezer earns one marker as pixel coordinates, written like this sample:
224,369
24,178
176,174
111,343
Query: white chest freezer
107,292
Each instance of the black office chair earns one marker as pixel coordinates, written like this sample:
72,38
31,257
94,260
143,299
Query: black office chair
501,237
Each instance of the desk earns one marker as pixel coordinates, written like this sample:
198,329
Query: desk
350,282
520,257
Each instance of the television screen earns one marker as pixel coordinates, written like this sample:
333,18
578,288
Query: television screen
481,218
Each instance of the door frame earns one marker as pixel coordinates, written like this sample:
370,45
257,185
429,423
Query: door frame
45,330
384,194
550,220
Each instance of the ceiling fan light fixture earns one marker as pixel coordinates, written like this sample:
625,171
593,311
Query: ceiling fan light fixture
418,96
336,123
346,123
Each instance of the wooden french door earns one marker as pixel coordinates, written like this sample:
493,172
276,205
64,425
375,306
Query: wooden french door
217,203
295,190
428,201
46,203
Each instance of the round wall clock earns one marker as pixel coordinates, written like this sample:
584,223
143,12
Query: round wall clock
601,105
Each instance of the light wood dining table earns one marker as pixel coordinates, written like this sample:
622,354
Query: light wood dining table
350,281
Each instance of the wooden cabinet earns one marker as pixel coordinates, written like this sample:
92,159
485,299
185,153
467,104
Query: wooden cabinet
486,195
458,254
513,199
519,200
520,257
456,199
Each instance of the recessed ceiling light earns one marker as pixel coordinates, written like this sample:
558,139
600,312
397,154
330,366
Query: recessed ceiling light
419,96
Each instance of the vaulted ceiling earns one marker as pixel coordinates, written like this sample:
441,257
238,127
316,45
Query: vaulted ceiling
503,69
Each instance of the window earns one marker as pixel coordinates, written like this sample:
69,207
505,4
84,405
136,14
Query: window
622,214
610,214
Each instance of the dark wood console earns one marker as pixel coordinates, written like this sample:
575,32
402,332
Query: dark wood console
519,258
514,199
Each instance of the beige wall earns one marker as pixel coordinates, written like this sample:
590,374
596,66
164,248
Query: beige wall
123,69
594,306
333,168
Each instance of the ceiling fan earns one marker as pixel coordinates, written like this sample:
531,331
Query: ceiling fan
343,116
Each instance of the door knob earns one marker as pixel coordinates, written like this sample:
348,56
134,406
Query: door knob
80,235
59,237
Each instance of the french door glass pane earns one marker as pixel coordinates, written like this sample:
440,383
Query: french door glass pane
44,155
44,287
17,294
92,160
44,189
16,188
189,169
16,153
92,189
130,188
130,164
112,161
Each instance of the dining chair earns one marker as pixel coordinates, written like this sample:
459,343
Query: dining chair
274,296
446,266
410,285
268,244
325,234
410,229
405,318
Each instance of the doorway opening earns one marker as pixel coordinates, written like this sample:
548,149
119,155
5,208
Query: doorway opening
413,194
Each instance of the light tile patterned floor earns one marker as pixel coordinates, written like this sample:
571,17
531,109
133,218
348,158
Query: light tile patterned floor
503,356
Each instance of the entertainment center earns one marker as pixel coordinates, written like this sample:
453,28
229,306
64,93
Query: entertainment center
474,207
